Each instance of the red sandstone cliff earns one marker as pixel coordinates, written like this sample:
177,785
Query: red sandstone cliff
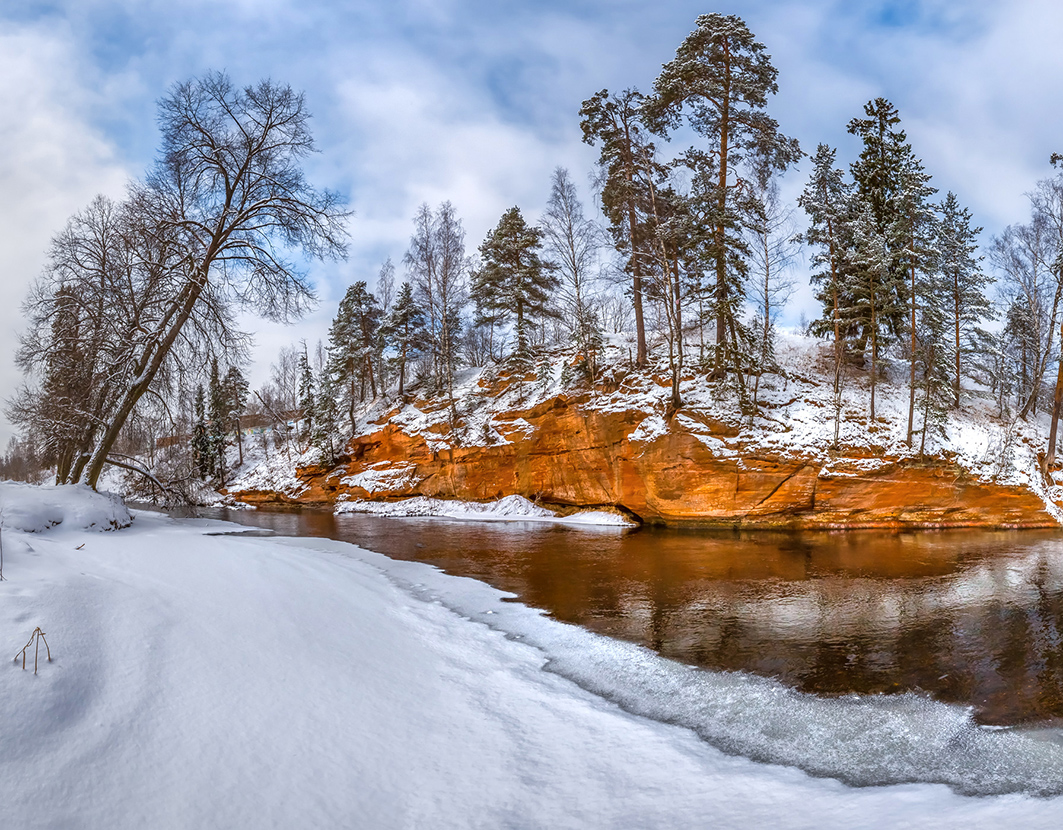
691,469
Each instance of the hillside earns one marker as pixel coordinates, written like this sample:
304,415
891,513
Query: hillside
558,443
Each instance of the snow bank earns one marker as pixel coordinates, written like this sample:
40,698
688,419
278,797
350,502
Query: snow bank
508,509
226,681
34,509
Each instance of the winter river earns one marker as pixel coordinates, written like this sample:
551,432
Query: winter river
973,618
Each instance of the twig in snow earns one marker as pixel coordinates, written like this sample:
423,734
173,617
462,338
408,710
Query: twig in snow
35,641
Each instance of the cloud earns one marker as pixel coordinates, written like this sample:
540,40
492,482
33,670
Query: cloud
476,101
52,162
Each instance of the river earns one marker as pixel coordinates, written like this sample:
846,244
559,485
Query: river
967,617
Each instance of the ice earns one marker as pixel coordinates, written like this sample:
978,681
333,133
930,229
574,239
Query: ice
507,509
246,682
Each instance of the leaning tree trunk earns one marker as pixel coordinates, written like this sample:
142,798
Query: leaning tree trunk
147,369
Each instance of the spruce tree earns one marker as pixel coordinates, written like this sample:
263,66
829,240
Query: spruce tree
877,175
325,423
217,421
872,295
827,200
202,459
235,388
514,284
306,394
964,280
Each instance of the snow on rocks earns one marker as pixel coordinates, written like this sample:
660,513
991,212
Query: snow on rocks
508,509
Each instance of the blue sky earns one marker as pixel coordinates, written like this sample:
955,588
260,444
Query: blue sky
476,102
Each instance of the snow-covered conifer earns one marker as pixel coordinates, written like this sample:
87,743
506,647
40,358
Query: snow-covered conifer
514,284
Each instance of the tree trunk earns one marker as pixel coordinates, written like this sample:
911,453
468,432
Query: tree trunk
1057,402
911,383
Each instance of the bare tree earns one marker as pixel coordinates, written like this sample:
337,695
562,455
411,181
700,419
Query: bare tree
438,269
572,242
211,229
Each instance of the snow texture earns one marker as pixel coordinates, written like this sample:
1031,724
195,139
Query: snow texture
206,680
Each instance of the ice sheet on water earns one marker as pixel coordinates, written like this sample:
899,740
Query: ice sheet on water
861,740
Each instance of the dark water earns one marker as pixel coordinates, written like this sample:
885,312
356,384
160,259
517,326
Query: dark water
967,617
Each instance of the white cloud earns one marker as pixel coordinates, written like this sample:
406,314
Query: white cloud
51,164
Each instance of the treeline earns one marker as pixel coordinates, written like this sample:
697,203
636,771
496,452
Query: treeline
692,263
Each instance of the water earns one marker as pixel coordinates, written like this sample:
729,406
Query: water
973,618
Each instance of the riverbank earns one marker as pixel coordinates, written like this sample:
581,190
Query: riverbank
715,462
218,680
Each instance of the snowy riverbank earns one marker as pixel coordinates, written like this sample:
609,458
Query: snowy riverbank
206,680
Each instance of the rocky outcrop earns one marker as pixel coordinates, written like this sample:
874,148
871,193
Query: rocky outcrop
690,470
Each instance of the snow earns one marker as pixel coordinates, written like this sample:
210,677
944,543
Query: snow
205,680
794,418
508,509
32,509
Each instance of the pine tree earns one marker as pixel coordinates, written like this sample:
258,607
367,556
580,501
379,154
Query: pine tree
913,235
616,123
514,283
354,345
404,332
721,78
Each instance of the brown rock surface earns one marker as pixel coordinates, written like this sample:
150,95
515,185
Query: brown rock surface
561,454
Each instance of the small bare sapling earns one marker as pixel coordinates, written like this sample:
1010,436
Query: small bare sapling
35,640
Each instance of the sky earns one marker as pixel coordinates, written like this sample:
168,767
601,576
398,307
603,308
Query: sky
477,101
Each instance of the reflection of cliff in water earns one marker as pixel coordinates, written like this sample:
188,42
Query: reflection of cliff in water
968,617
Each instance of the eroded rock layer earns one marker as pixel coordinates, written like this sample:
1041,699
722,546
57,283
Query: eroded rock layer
687,471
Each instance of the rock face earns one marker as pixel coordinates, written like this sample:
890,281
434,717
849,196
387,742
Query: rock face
688,471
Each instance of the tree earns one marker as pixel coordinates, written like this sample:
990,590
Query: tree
616,123
877,175
354,345
772,248
572,241
202,449
913,231
721,78
307,408
404,331
211,229
872,289
323,435
514,283
438,268
235,390
827,200
965,283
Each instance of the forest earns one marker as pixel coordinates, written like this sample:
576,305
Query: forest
133,357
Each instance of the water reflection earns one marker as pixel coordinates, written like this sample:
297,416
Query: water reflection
968,617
